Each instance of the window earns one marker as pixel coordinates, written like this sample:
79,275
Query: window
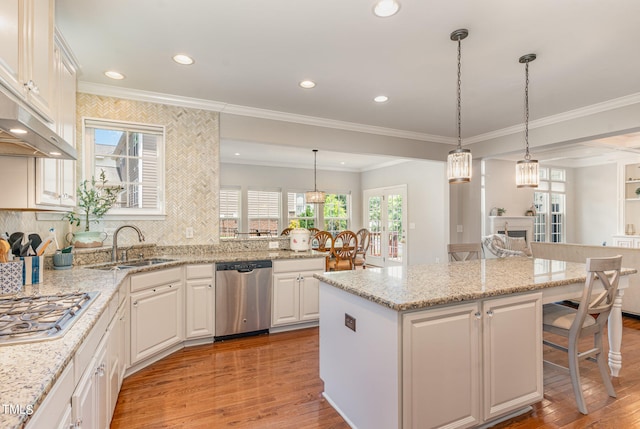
299,213
229,212
132,157
550,200
336,213
263,209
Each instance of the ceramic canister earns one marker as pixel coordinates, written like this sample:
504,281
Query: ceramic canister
299,239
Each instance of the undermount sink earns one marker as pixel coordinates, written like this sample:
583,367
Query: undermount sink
132,264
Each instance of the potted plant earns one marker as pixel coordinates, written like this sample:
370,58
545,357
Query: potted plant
501,211
638,192
95,199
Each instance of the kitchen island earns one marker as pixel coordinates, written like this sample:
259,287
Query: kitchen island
31,373
443,345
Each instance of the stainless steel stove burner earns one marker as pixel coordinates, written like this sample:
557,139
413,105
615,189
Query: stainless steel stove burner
37,318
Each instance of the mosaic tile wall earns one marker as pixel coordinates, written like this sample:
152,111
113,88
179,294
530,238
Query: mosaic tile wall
191,173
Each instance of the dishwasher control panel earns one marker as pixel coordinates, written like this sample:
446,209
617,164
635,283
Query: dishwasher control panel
242,266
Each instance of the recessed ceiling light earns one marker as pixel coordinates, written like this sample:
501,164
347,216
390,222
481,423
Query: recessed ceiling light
114,75
55,153
17,131
307,84
386,8
381,99
183,59
237,154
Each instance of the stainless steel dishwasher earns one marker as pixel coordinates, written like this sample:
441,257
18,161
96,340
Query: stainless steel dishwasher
243,298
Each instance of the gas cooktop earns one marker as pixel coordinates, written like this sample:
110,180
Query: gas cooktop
37,318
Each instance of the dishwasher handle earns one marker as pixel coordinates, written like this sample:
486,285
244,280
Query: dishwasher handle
245,270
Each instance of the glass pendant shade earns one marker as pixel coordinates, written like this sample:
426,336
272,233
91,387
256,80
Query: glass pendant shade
527,173
315,197
459,166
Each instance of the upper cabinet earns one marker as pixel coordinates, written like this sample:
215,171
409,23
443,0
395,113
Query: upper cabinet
26,53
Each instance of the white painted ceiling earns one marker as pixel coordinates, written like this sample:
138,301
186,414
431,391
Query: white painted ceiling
253,53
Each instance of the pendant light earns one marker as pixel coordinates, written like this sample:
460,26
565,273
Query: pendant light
315,196
459,160
527,168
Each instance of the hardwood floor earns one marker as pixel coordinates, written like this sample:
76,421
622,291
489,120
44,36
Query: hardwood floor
272,381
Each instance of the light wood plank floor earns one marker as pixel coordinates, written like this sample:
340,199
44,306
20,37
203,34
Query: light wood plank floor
272,381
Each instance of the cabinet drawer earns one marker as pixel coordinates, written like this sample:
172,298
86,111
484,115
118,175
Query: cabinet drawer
295,265
51,411
155,278
199,271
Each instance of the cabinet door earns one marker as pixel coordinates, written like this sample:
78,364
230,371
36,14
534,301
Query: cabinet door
11,54
116,357
39,56
512,353
156,320
101,381
199,310
441,367
83,401
286,299
309,296
66,421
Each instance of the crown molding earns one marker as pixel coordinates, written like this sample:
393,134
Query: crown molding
605,106
232,109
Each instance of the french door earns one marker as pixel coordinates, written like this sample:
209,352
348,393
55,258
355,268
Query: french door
385,212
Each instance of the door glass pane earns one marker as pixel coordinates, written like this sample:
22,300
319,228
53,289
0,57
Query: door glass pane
394,226
375,228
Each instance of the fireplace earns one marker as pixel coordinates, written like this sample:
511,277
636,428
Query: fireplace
513,226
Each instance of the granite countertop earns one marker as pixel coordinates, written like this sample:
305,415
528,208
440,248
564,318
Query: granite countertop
423,286
29,370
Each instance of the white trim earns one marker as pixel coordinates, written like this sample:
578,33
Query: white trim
581,112
233,109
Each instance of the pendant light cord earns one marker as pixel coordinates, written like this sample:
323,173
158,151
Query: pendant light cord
527,156
459,94
315,183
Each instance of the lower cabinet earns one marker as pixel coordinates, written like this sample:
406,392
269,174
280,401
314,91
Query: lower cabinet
295,291
484,357
199,297
90,399
116,349
156,312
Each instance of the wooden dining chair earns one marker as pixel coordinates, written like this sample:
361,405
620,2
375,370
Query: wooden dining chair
322,242
364,238
589,319
313,231
343,251
286,231
464,251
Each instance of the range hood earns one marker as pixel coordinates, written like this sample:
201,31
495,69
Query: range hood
24,134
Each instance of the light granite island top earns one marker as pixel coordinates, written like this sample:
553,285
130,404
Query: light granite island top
423,286
28,371
443,345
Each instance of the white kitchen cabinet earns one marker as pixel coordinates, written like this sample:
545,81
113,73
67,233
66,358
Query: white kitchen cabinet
200,298
116,355
55,410
26,52
156,312
627,241
56,178
485,357
89,400
295,291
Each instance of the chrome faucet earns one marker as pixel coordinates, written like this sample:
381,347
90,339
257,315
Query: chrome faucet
114,250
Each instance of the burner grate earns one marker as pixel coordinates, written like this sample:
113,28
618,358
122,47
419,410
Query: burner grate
36,318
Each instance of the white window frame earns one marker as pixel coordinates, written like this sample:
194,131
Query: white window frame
317,211
550,188
347,217
277,211
238,217
127,213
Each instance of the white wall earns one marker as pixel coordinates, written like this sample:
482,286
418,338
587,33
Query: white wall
428,205
501,190
296,180
595,204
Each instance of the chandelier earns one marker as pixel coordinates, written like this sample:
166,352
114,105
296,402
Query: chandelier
527,169
315,196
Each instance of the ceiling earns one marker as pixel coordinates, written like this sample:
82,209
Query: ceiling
253,53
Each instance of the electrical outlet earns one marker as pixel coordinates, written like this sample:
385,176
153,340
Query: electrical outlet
460,228
273,245
437,260
188,232
350,322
